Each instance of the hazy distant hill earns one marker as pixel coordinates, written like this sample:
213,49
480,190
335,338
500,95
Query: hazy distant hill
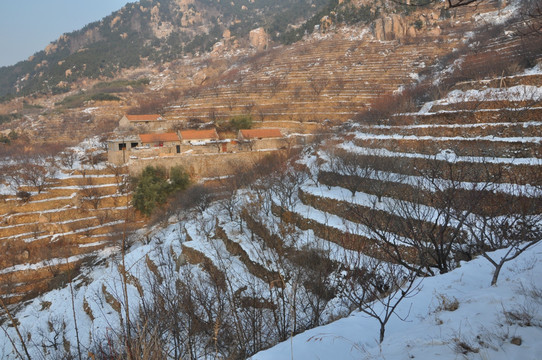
155,30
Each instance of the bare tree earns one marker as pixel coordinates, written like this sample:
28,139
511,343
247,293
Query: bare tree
318,84
422,224
68,158
261,114
514,226
249,107
34,175
450,3
90,192
276,83
377,288
14,323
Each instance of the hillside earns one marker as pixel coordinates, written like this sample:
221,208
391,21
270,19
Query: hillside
420,156
454,316
328,76
289,251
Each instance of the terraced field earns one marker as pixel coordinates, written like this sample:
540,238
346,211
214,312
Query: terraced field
283,255
329,78
77,216
291,251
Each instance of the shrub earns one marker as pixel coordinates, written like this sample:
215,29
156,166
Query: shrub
104,97
6,118
153,187
179,179
24,196
241,122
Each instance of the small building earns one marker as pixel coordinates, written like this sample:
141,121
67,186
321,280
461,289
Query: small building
148,122
126,143
118,148
259,134
194,137
161,140
261,139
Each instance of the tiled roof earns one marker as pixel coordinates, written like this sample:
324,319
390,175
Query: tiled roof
152,138
199,134
260,133
151,117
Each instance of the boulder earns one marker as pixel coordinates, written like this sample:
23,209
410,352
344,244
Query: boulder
258,38
411,32
436,31
390,28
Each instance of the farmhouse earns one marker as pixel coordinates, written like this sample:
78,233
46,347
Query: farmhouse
161,140
261,139
126,143
194,137
258,134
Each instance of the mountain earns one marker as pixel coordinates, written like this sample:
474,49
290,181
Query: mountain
150,31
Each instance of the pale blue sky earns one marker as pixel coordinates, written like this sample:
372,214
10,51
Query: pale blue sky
27,26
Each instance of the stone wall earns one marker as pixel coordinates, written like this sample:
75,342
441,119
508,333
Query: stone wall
203,165
135,155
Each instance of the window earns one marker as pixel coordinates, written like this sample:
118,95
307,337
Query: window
122,146
134,144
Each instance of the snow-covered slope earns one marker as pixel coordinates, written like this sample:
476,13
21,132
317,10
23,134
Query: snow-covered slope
454,316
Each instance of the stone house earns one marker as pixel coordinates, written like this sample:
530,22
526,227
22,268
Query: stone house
119,149
123,143
167,140
198,137
259,139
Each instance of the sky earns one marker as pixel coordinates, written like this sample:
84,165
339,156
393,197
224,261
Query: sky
28,26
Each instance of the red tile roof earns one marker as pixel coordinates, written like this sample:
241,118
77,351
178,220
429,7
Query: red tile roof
199,134
152,138
260,133
151,117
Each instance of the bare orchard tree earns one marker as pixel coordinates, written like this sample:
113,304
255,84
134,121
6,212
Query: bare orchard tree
429,215
531,16
68,158
449,3
90,192
33,174
277,83
285,184
377,288
318,84
514,224
349,167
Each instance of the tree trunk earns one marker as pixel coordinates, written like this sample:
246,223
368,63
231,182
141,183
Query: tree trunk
496,274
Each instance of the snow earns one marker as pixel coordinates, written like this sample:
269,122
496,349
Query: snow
500,16
6,190
513,93
518,139
90,110
432,332
444,156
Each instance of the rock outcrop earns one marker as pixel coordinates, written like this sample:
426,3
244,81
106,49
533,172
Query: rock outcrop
392,27
396,27
259,39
